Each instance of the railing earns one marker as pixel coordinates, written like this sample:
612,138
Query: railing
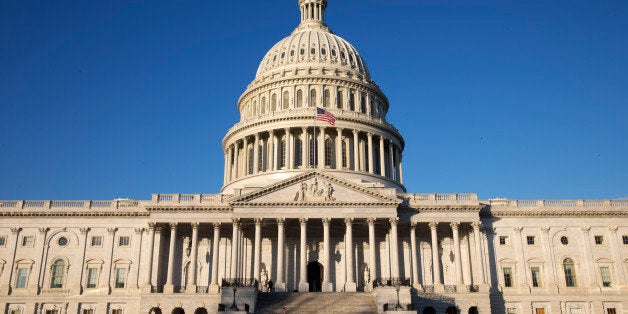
428,288
392,282
557,203
190,198
202,289
474,288
450,288
239,282
69,204
178,289
442,197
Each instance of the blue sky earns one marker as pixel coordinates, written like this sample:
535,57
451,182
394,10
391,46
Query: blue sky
525,100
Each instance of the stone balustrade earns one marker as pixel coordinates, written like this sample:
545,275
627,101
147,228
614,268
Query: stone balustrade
52,204
557,203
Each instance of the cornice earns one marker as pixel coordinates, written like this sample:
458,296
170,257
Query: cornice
317,204
74,214
433,208
541,212
188,208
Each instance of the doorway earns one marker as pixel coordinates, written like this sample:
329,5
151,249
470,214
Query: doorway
315,276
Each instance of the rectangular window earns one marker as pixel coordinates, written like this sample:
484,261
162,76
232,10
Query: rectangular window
539,310
625,239
511,310
89,311
605,273
576,311
507,277
120,277
531,240
503,240
611,310
16,311
117,311
22,275
536,276
96,241
92,277
124,241
599,240
52,311
28,241
3,241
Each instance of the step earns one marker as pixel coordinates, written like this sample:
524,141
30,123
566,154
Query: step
316,302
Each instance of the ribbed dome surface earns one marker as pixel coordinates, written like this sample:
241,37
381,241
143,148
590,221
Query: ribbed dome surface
315,47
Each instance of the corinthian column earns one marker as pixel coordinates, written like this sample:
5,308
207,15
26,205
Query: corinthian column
168,287
478,254
394,248
350,285
372,252
280,286
438,285
415,265
257,248
369,136
454,228
234,248
193,259
213,287
327,286
356,160
303,284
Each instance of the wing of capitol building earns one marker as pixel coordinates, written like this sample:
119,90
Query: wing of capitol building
313,216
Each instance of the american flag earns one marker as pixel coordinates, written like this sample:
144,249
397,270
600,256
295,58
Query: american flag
324,115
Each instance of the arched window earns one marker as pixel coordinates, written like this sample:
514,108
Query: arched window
313,98
299,98
254,109
286,98
330,160
261,161
273,102
262,109
352,101
363,104
250,159
339,102
326,98
58,271
313,153
570,273
298,158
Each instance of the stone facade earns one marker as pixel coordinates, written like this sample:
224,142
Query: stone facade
313,206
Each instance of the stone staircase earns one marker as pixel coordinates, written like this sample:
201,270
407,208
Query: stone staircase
316,302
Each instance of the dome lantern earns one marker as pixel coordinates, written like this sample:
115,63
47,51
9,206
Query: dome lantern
312,11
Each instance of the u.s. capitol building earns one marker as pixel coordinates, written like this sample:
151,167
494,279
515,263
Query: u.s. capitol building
314,206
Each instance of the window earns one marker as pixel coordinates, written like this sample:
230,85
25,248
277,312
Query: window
273,102
88,311
282,153
352,101
507,277
531,240
313,51
124,241
28,241
262,109
117,311
92,277
313,98
611,310
599,240
299,98
22,276
564,240
339,99
344,154
96,241
16,311
625,239
536,276
52,311
323,51
58,269
330,161
511,310
326,98
313,153
539,310
570,273
3,241
298,148
285,101
503,240
605,273
261,162
120,277
63,241
250,167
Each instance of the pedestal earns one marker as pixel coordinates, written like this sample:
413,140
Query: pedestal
327,287
350,287
168,288
190,289
147,289
304,287
214,288
280,287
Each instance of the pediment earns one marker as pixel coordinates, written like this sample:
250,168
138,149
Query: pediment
314,188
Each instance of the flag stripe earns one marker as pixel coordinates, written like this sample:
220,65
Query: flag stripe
326,116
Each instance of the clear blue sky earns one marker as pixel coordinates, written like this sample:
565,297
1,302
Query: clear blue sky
105,99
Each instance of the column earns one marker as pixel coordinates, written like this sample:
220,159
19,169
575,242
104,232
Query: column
272,153
213,287
400,169
193,259
280,286
169,288
235,173
257,248
305,160
621,280
415,264
303,284
234,248
288,149
435,259
478,254
382,158
229,163
224,175
588,259
391,160
321,149
256,154
369,136
137,253
84,232
372,250
356,161
339,148
43,249
458,257
396,162
245,152
394,248
350,285
522,278
327,285
154,277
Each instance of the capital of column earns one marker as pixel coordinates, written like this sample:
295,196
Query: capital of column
393,221
413,224
281,221
454,225
369,135
139,230
157,229
43,230
348,221
151,225
585,229
303,221
545,229
15,230
195,225
518,230
433,225
476,225
216,225
236,221
613,229
81,230
371,220
354,131
326,220
172,225
112,230
258,221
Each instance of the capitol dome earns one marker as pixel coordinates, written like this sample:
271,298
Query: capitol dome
312,70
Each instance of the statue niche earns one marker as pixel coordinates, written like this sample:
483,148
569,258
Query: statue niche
313,193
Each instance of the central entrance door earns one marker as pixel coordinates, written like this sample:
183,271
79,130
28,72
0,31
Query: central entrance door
315,276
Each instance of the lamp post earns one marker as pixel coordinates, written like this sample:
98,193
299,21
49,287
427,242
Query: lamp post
234,307
397,288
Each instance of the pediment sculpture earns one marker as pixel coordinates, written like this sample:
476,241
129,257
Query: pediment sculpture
313,192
